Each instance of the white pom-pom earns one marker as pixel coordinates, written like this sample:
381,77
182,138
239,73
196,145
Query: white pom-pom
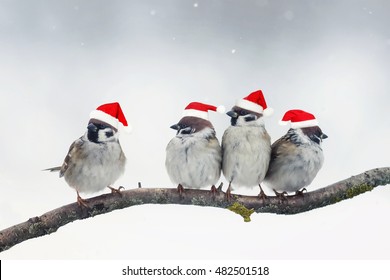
221,109
268,112
127,129
284,122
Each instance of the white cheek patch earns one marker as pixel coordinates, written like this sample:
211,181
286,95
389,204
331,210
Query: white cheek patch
102,135
186,131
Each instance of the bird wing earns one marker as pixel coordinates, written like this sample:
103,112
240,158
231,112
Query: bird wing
73,150
282,146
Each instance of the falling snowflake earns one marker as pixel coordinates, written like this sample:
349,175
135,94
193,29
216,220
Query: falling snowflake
152,12
196,5
82,44
367,10
233,51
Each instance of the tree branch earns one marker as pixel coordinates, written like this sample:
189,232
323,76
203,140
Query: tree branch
243,205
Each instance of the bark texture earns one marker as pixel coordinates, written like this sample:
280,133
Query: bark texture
243,205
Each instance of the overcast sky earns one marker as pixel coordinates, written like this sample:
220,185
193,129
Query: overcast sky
59,60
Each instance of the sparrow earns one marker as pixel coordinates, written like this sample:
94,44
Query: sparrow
297,156
246,144
96,159
193,156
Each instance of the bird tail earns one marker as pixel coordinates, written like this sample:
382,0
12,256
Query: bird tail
53,169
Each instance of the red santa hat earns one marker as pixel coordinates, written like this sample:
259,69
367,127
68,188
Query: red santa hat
298,119
200,110
112,114
255,102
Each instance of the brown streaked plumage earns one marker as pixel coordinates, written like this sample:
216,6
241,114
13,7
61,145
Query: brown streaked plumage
296,159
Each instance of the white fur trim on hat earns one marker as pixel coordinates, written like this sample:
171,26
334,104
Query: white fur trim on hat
114,122
301,124
249,105
104,117
284,122
196,113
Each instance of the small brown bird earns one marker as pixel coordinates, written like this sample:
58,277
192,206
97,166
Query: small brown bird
246,145
96,160
296,157
193,156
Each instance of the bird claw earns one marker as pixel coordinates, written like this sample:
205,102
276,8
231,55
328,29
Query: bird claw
281,195
81,202
300,192
180,190
116,191
214,191
262,194
228,194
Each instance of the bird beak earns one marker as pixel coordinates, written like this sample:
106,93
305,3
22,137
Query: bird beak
92,127
232,114
175,127
324,136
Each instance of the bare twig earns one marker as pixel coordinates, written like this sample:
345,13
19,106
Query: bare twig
51,221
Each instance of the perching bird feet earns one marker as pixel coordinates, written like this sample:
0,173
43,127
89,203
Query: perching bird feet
116,191
281,195
262,194
300,192
228,194
180,190
81,202
213,191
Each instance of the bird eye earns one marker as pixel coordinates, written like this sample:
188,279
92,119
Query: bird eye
315,138
186,130
250,118
109,134
243,112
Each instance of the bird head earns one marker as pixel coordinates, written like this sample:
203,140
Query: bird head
100,132
244,117
314,133
193,127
